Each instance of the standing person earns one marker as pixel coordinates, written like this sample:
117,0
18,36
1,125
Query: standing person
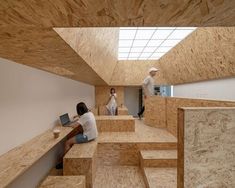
112,104
148,87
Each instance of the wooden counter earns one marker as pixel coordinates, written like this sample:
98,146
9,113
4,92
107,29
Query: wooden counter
16,161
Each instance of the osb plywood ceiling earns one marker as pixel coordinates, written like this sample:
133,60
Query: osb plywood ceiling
28,35
85,13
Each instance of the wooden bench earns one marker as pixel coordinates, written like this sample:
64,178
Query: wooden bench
15,162
64,181
115,123
81,160
122,111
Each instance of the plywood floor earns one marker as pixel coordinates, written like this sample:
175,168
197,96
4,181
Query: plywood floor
143,133
161,177
119,177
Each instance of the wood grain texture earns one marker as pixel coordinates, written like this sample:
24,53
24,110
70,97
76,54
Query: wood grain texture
18,160
98,47
155,112
64,181
173,104
161,177
122,111
122,123
132,73
209,144
102,95
81,160
206,54
42,48
88,13
119,176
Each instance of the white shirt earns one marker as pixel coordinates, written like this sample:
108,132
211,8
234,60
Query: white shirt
112,101
88,123
149,85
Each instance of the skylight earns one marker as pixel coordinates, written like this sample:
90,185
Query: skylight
149,43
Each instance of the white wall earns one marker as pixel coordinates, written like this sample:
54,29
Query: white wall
223,89
30,103
131,99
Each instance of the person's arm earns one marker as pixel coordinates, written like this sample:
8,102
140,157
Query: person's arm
144,86
77,129
109,98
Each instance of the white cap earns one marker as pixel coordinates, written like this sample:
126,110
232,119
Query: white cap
153,69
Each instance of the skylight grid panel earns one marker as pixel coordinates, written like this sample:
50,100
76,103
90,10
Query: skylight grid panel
139,43
147,28
127,34
145,55
162,34
125,50
154,43
122,58
125,43
144,34
170,43
136,55
122,55
157,54
186,28
163,49
143,58
149,49
166,28
132,58
137,49
180,34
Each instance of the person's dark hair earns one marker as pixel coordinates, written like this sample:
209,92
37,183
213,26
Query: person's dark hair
82,108
112,89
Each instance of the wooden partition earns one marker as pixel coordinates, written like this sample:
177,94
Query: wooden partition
206,145
162,111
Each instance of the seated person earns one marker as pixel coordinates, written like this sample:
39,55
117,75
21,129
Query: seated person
85,129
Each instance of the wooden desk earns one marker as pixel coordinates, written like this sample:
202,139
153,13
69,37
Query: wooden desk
18,160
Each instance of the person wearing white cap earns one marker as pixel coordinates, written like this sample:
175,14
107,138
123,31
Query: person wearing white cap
148,86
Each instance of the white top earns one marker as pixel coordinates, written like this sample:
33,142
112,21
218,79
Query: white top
88,123
112,101
148,85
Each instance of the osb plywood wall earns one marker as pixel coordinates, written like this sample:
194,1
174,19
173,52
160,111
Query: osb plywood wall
205,147
102,95
133,73
172,105
155,112
208,53
98,47
88,13
162,111
43,49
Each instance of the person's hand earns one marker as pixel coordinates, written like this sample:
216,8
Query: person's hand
75,117
74,125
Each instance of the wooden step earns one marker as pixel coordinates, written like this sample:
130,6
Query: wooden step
160,177
81,160
158,158
64,181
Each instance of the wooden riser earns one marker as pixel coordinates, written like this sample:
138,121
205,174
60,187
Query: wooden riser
160,177
164,163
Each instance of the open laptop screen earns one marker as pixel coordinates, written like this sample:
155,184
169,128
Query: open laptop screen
64,119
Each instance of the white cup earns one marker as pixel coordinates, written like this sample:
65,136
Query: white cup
56,133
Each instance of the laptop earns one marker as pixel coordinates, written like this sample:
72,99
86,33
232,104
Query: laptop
65,121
